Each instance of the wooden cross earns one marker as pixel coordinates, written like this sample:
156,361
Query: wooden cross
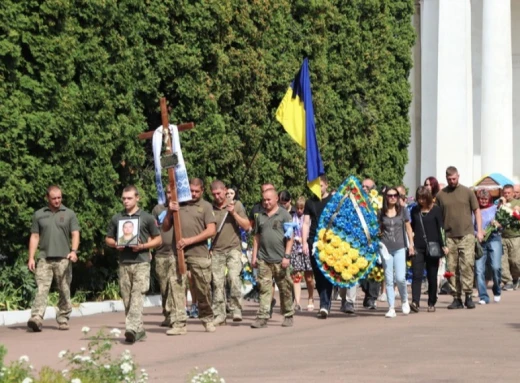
171,173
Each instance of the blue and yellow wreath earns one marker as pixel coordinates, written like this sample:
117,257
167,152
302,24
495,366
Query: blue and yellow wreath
346,244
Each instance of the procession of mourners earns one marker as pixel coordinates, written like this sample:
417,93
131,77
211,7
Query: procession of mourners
397,246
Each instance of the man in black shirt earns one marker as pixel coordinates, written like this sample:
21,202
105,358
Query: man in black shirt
312,212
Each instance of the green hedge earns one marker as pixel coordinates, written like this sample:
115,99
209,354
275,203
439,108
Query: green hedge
79,79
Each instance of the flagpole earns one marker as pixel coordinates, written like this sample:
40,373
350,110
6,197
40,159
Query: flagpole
256,152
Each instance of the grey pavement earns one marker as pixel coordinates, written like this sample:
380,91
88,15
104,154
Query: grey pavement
446,346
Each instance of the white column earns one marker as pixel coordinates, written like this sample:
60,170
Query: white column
412,175
497,88
447,113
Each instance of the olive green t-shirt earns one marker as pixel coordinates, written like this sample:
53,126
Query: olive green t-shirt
229,237
195,218
147,229
512,233
271,247
457,205
55,229
165,249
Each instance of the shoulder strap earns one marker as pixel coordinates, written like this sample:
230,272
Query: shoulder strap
422,225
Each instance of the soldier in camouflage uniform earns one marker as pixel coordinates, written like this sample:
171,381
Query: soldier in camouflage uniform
134,261
272,255
226,253
165,267
459,204
197,225
52,228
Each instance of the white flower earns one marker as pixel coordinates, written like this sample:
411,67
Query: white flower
85,330
64,372
75,380
83,349
31,367
27,380
86,359
77,357
115,332
107,366
24,358
222,380
62,354
212,370
126,368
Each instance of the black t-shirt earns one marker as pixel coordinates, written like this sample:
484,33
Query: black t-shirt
433,226
313,208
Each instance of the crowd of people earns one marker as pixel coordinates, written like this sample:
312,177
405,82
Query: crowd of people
438,232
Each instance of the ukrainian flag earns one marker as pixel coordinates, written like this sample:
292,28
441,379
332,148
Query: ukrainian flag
296,114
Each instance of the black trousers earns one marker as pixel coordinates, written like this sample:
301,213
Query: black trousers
371,290
419,261
323,285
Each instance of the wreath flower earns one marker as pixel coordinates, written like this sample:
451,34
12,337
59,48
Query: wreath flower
346,244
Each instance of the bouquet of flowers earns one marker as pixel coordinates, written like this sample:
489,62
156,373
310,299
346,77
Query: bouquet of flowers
377,274
376,200
508,217
346,245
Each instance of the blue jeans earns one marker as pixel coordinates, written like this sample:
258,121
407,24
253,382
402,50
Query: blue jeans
492,250
396,264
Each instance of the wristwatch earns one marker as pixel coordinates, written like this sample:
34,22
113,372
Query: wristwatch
287,256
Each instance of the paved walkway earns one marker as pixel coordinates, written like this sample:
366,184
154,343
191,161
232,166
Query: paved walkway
478,345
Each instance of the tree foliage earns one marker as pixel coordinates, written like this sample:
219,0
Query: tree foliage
80,79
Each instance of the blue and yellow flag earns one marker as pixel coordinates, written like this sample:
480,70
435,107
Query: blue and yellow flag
296,114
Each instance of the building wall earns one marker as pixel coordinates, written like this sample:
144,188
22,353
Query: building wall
413,172
515,33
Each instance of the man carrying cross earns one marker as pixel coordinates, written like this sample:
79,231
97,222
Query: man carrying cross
197,225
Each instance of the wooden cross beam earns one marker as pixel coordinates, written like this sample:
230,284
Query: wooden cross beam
171,174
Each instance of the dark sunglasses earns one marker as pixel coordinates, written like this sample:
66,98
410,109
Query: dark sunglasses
392,195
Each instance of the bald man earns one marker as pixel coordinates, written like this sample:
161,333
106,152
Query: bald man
272,256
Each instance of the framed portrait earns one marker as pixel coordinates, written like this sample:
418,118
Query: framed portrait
128,232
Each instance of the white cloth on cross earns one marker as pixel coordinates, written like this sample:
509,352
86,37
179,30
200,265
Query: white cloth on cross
181,175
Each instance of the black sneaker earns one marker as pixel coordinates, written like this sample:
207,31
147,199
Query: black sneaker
469,302
456,304
130,336
372,304
414,307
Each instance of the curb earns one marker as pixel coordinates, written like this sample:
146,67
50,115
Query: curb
8,318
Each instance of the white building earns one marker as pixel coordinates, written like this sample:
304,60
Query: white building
466,90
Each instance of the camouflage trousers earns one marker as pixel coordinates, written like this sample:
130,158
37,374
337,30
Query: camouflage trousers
165,268
200,269
510,259
282,278
461,261
233,261
134,282
59,269
176,296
